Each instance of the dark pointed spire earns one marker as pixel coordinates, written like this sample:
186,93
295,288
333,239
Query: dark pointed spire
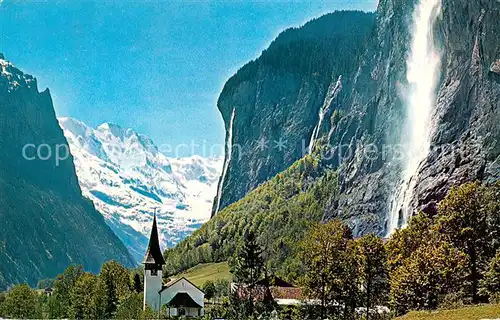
154,254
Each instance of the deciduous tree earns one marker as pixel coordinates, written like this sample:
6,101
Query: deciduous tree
88,298
373,273
326,264
20,302
117,283
435,268
209,289
490,285
463,220
62,288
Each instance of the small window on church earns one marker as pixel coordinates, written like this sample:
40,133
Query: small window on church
154,272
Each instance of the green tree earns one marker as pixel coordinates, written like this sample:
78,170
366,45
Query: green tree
327,266
463,220
21,302
130,307
248,265
117,282
371,255
62,288
53,308
88,298
490,285
209,289
435,268
137,283
248,269
222,288
148,313
403,242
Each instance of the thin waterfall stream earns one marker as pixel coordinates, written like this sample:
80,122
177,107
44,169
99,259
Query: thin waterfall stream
228,160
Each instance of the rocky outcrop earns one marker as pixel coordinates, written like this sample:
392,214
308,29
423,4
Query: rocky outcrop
46,223
277,98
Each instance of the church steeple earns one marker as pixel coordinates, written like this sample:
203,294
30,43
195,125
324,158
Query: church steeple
153,254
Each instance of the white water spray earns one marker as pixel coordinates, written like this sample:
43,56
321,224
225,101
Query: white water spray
226,163
423,65
333,91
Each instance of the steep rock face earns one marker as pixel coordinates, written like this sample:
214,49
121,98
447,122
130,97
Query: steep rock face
277,98
372,121
46,223
464,126
466,139
365,134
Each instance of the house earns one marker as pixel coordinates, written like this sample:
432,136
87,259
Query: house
48,291
273,288
180,297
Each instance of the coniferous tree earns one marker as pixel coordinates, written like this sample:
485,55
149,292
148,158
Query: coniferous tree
248,265
248,269
137,283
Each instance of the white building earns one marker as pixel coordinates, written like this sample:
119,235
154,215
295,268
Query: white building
180,297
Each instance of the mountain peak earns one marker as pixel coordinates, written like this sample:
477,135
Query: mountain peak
127,178
114,129
15,77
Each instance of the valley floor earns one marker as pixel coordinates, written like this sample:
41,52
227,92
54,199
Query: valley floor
489,311
203,272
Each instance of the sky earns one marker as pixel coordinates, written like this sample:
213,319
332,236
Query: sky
154,66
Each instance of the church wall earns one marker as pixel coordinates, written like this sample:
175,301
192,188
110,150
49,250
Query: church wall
152,285
183,286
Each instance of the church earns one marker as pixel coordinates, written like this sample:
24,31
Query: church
179,297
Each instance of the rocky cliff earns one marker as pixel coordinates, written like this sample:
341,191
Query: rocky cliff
464,132
372,117
273,104
46,224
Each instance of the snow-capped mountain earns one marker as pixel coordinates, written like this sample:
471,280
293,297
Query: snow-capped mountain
128,178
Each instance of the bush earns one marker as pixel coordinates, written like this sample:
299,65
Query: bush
451,301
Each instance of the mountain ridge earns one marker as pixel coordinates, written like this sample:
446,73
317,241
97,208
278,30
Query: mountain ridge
46,222
127,177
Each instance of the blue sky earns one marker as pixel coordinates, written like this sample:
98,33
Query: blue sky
155,66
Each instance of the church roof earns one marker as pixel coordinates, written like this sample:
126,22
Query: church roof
172,282
183,299
153,254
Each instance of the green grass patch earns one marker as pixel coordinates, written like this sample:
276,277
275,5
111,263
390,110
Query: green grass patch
489,311
203,272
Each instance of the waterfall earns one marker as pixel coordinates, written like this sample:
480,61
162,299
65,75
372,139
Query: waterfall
228,159
333,91
423,65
